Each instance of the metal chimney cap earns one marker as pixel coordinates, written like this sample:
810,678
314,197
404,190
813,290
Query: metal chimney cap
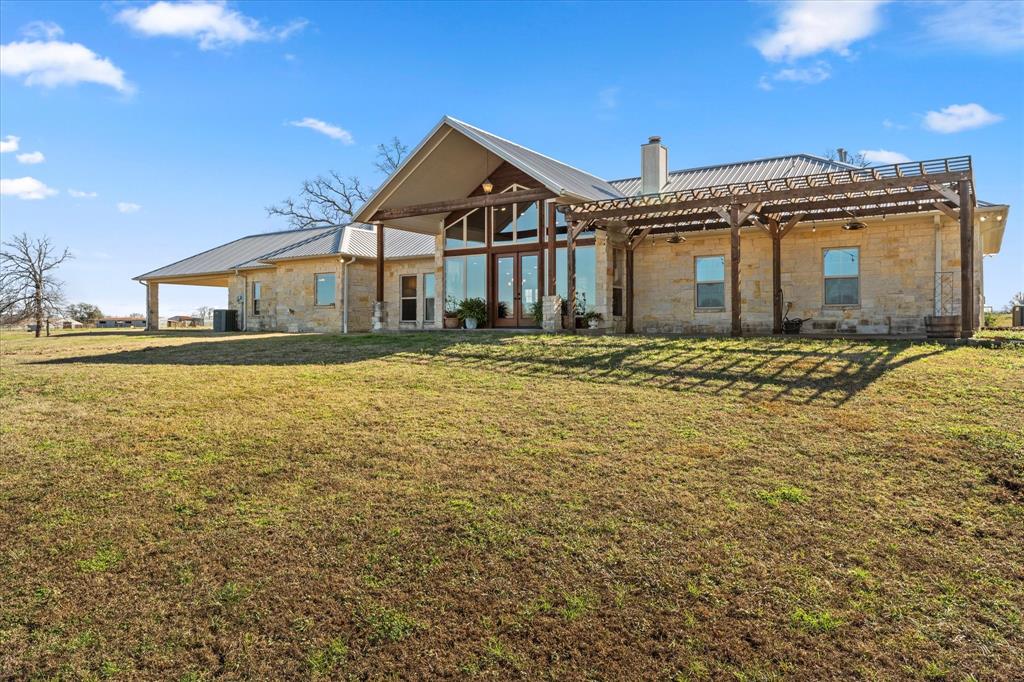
654,139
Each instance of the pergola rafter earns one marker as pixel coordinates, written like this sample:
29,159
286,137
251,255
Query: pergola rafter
777,205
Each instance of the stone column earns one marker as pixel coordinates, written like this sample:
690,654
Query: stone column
152,306
380,316
552,321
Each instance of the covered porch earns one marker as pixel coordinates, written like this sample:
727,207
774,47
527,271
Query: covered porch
778,206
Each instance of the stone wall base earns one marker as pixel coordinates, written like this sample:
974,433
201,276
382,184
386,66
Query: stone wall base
552,313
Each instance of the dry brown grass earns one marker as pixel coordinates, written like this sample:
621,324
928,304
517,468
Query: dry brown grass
190,506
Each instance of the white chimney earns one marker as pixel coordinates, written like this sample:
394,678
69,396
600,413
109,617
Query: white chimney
653,166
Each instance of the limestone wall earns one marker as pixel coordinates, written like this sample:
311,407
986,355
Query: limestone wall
897,277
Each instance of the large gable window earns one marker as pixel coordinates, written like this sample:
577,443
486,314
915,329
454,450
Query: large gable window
710,271
466,231
518,222
842,276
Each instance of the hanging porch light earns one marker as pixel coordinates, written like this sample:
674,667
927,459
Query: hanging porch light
487,186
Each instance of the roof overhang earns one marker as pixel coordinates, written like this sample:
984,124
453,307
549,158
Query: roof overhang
446,166
210,279
992,221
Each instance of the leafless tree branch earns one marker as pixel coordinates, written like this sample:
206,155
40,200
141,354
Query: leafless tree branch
333,199
28,285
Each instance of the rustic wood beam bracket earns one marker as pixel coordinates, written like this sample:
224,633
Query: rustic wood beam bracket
949,212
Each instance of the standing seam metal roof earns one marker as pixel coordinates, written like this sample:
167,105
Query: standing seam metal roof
254,251
741,172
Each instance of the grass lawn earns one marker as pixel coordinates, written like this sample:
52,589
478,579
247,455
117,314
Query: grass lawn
189,505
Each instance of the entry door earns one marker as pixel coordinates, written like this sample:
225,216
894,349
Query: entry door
517,288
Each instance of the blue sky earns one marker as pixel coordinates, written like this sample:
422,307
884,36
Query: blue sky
163,130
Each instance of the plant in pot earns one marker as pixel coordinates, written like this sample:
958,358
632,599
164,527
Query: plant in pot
473,312
537,312
451,313
591,318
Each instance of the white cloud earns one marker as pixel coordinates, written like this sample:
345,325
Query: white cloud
25,188
52,63
9,144
980,25
957,117
893,125
128,207
608,98
30,158
81,194
807,27
810,75
332,131
42,29
883,156
209,22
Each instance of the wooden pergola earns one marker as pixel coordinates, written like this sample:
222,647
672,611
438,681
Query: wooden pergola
777,206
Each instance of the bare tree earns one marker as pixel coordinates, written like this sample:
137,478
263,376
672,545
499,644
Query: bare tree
843,156
390,155
27,280
333,199
1016,299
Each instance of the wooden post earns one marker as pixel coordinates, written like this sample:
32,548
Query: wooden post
776,235
380,263
734,263
552,251
629,289
967,299
570,263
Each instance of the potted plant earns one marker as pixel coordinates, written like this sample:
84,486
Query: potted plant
473,312
591,318
451,313
537,312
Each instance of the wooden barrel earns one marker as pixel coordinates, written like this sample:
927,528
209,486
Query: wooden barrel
942,326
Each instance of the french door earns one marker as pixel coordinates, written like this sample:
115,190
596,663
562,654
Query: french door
516,289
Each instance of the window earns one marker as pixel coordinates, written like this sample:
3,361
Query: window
710,281
842,276
586,280
519,222
466,231
325,288
409,298
257,294
464,277
618,280
428,297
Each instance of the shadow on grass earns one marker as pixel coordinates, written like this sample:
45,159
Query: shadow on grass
797,370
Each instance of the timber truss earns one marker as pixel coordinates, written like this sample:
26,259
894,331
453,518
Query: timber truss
778,205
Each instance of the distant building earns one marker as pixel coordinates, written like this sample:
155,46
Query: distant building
184,321
108,322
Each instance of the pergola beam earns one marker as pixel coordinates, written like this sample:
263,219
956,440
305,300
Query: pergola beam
614,208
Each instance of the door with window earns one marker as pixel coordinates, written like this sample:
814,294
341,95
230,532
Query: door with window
516,288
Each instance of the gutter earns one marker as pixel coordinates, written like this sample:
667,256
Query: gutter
344,294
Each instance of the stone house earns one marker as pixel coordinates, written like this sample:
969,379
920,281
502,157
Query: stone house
721,249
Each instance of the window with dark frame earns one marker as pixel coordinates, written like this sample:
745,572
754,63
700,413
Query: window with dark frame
841,269
710,278
428,296
409,299
257,293
324,293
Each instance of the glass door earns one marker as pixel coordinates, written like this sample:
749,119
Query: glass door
529,288
517,289
505,291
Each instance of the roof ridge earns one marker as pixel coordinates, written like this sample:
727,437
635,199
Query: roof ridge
739,163
532,151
